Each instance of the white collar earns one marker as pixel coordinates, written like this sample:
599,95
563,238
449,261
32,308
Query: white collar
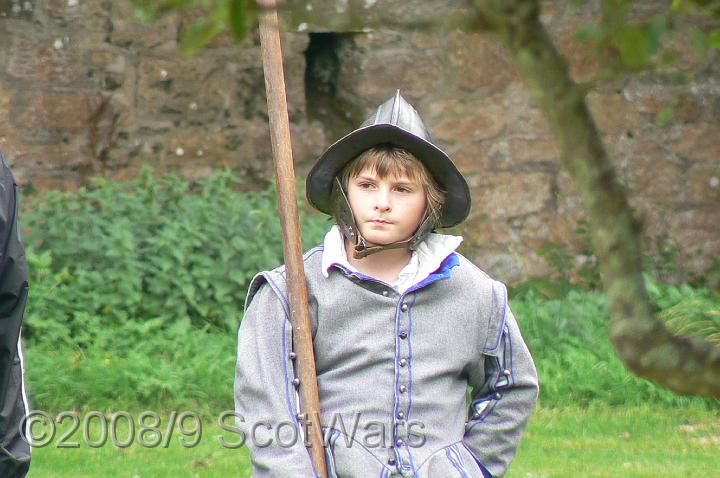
424,260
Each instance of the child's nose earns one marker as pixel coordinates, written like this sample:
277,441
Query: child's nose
382,201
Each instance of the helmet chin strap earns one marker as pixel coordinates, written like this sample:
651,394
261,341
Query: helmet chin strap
361,249
348,226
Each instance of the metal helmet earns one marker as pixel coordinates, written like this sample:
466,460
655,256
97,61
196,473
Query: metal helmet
397,123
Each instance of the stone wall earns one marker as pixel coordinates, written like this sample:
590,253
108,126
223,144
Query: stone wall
86,89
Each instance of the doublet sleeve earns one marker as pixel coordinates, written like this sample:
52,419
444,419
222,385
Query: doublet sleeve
265,399
505,390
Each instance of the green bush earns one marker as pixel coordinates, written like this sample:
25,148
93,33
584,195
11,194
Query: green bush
568,337
136,257
137,291
691,311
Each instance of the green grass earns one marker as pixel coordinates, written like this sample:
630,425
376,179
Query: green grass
628,442
209,458
599,441
183,369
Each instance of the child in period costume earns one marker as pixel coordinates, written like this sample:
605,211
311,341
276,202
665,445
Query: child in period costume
402,325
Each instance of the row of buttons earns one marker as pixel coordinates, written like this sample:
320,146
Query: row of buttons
403,362
403,335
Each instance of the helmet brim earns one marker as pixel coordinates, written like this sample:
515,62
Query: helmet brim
319,183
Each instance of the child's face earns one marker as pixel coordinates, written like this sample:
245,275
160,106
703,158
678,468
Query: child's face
386,209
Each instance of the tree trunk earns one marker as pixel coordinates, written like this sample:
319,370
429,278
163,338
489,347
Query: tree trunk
684,365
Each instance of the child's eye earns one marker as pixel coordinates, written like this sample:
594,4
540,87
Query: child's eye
365,185
403,189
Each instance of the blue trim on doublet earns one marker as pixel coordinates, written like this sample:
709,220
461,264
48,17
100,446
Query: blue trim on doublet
442,272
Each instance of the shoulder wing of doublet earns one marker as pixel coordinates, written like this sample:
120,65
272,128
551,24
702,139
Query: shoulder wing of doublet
490,293
267,282
473,277
276,278
312,261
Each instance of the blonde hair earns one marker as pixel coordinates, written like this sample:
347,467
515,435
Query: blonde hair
388,160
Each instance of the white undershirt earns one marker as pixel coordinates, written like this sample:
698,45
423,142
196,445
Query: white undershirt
423,261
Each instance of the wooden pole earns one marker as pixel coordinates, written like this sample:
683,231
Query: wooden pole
292,239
